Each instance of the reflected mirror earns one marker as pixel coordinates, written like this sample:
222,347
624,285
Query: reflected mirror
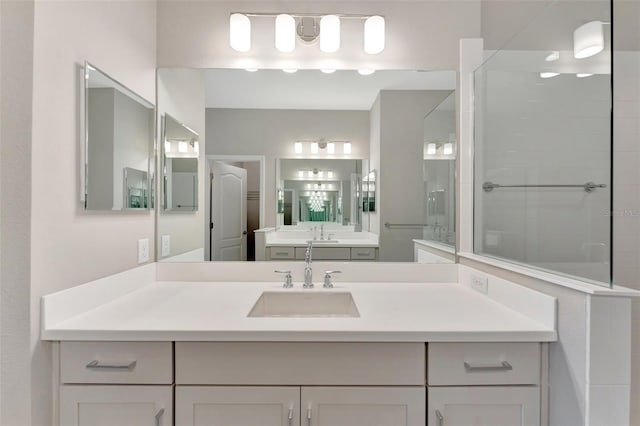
180,151
118,142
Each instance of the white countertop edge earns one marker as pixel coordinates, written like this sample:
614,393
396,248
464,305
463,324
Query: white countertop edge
574,284
435,245
301,336
350,243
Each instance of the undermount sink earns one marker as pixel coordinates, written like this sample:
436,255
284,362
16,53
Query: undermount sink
309,304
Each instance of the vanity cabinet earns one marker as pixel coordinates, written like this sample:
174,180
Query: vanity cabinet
484,384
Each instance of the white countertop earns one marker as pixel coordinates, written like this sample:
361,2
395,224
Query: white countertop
339,242
212,311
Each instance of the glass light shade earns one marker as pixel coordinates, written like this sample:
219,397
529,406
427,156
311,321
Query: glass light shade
431,149
347,148
290,70
183,147
366,71
553,56
588,40
447,149
374,35
331,148
329,33
583,75
310,173
328,70
300,173
240,32
251,69
330,174
285,33
297,147
314,147
321,175
549,74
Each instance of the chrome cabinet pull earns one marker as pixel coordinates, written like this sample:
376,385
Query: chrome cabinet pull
95,365
504,366
159,416
290,417
440,418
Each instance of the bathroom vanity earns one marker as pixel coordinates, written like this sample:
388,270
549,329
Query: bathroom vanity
143,347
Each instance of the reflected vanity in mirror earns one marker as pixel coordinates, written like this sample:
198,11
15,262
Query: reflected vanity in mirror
180,151
118,143
438,242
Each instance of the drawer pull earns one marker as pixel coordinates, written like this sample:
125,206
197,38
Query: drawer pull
290,416
440,418
95,365
309,416
159,416
504,366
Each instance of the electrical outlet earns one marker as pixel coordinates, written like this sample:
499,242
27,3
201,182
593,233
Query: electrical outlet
480,283
143,250
166,245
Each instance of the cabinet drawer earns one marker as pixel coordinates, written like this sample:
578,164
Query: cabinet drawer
116,362
298,363
483,364
363,253
325,253
282,252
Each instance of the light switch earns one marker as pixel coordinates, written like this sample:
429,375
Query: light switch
166,245
143,250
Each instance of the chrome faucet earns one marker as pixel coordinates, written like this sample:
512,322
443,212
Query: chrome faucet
308,272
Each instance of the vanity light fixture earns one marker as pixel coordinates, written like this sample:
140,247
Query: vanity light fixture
366,71
319,147
583,75
297,147
374,35
588,39
553,56
329,33
240,32
549,74
285,33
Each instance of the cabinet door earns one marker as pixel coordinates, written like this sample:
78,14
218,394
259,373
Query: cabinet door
90,405
484,406
363,406
237,406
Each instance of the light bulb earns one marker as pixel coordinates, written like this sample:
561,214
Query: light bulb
240,32
374,35
285,33
329,33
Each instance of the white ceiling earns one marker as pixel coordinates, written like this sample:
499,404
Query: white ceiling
312,89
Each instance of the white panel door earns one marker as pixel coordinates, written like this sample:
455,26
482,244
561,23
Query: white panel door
91,405
228,212
363,406
484,406
237,406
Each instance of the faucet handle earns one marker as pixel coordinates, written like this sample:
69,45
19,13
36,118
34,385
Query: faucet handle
288,281
327,278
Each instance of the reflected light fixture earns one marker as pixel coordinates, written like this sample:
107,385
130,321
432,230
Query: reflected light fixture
300,173
588,40
240,32
331,148
329,33
330,174
328,70
167,147
320,174
374,29
251,69
447,148
196,147
347,148
183,147
366,71
583,75
431,149
297,147
285,33
549,74
314,147
310,173
290,70
553,56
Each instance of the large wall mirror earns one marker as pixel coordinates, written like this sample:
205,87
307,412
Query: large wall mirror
118,142
180,151
329,157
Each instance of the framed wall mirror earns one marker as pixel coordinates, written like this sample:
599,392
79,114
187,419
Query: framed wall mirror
119,132
255,126
180,151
